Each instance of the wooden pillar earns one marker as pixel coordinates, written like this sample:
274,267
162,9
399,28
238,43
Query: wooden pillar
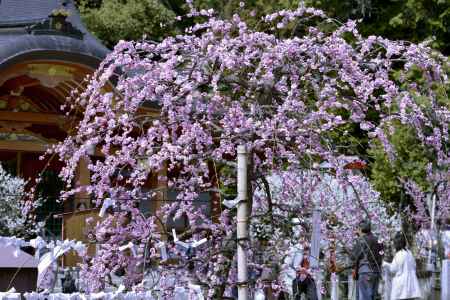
83,178
19,164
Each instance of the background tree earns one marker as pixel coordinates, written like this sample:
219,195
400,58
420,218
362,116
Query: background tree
115,20
17,212
411,163
413,20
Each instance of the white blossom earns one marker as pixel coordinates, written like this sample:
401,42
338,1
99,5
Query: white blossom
16,211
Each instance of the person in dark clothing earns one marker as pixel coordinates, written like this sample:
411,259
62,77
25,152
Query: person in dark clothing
68,283
367,255
304,282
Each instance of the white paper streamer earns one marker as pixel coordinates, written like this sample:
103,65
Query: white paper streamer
195,292
50,257
38,243
185,245
130,246
163,250
107,203
230,203
9,296
259,295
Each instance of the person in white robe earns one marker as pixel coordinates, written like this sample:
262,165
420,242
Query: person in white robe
405,284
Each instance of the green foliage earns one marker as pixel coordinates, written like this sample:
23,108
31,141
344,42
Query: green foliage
410,163
417,20
115,20
412,20
257,7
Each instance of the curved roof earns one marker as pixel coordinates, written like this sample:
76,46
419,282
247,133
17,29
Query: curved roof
19,42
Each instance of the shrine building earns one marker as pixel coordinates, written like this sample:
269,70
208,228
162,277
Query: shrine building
45,53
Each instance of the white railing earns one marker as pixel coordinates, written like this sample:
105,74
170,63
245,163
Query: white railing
78,296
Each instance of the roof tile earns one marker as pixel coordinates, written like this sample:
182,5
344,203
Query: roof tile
26,11
15,40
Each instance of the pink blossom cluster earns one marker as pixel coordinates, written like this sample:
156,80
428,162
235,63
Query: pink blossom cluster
221,84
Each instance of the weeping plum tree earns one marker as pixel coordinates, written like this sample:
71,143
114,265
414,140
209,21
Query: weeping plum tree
224,83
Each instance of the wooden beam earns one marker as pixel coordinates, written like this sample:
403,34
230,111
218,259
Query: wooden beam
32,117
23,146
57,119
32,147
